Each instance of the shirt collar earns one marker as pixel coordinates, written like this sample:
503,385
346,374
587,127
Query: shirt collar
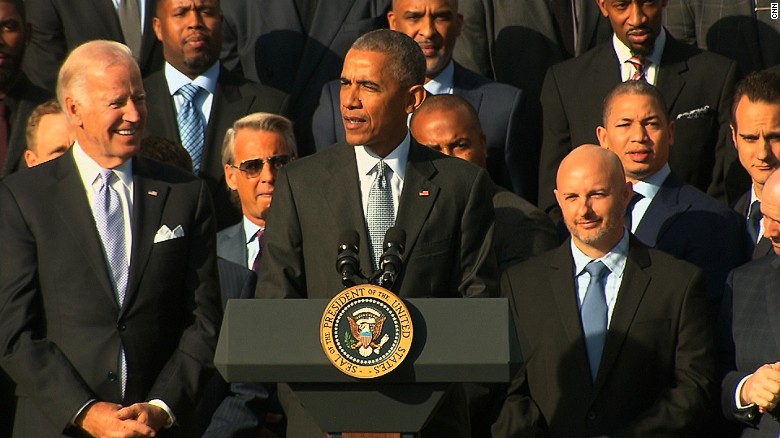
624,53
250,229
366,159
615,260
650,186
207,80
89,168
444,82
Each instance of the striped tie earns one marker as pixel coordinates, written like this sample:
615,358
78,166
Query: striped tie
639,68
190,123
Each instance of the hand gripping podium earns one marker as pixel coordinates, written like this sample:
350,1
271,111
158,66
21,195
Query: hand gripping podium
455,340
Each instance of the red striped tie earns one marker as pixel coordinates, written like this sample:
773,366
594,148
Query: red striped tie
639,68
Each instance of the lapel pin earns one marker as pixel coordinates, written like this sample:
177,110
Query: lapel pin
424,193
152,193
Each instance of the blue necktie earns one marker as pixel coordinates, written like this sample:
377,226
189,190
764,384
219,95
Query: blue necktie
594,314
754,221
107,209
381,215
190,123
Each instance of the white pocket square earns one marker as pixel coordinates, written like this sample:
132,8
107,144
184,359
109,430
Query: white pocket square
165,233
695,113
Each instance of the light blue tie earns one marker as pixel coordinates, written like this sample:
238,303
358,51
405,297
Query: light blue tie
594,314
380,215
107,210
191,130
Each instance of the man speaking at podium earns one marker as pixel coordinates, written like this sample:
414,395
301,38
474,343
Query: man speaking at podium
380,177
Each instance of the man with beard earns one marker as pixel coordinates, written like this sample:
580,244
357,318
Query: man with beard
667,213
629,348
18,97
696,85
193,100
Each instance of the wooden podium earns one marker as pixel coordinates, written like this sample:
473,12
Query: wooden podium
455,340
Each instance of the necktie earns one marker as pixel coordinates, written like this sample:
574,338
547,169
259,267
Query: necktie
260,242
630,210
753,222
107,210
594,314
381,215
190,123
130,22
3,135
639,68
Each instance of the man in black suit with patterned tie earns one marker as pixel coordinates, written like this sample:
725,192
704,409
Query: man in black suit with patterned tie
109,283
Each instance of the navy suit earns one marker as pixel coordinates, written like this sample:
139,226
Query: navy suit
749,329
764,246
499,109
688,224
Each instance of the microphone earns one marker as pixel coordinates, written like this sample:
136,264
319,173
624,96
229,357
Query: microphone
390,264
347,263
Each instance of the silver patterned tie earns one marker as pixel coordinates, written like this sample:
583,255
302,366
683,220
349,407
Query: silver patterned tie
107,209
380,215
190,123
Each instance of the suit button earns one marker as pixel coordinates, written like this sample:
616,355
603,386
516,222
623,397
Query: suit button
112,376
591,416
121,326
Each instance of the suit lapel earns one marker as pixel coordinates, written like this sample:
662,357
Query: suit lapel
566,303
343,195
418,195
670,81
632,290
662,212
163,111
464,86
229,104
588,27
149,197
321,35
233,247
76,213
540,9
110,23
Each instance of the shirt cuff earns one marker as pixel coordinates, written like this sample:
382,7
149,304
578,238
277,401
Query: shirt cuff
737,398
161,404
80,411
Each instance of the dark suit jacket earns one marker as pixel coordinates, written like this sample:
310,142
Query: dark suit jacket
21,101
688,224
271,43
60,326
231,244
749,332
58,26
234,98
445,209
726,27
688,78
764,246
515,42
657,371
498,107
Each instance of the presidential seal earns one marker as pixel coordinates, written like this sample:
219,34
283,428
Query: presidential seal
366,331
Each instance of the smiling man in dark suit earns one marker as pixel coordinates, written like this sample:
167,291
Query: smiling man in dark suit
381,172
435,25
110,304
617,337
755,128
697,87
193,100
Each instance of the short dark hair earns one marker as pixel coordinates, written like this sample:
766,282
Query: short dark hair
167,151
760,86
407,62
639,88
448,102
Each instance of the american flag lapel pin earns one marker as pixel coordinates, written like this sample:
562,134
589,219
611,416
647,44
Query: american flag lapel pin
152,193
423,193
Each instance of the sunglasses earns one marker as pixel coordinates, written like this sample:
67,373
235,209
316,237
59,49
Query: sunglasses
252,168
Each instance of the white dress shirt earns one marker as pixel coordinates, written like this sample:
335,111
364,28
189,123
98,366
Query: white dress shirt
207,80
395,172
651,62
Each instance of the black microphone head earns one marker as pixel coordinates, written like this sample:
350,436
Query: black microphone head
395,237
349,239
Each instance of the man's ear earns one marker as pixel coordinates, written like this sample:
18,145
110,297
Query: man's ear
73,111
417,95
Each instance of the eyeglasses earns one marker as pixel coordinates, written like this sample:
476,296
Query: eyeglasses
252,168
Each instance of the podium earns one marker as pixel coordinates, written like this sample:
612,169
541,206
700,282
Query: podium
455,340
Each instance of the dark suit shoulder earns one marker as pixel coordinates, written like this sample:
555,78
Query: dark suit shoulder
270,94
165,172
676,51
757,268
701,201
